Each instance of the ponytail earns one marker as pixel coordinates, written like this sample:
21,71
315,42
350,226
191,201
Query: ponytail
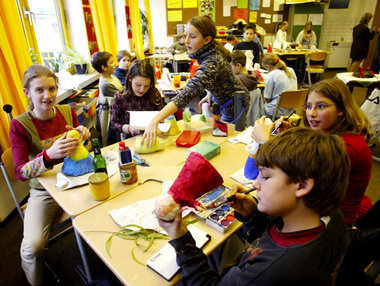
274,60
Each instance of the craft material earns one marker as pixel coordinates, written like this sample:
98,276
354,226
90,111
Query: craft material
128,173
79,162
173,129
99,186
164,261
187,114
140,161
144,149
188,138
206,148
166,208
220,127
99,163
221,215
125,153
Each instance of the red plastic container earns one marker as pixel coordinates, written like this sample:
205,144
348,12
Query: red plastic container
188,138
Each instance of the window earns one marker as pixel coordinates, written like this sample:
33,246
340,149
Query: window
43,29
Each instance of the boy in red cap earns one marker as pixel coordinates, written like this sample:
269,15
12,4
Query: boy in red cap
301,230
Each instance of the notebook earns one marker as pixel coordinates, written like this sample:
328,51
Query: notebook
164,261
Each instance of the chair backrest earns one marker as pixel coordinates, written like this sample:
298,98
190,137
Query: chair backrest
290,99
318,56
8,170
7,159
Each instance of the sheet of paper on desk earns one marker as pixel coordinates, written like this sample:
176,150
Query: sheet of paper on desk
244,137
239,177
164,261
141,119
65,182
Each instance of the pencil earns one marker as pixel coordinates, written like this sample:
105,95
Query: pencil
233,197
286,119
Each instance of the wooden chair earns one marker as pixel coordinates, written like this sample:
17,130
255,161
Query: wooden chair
314,68
62,223
290,99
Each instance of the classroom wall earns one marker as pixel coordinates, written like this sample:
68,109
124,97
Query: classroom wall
158,14
338,23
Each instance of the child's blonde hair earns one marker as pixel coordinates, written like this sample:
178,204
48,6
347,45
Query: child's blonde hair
304,29
274,60
353,119
36,71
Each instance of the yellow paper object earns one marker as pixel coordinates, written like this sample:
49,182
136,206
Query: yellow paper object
81,152
143,149
174,129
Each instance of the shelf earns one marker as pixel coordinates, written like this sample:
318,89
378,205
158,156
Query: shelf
79,81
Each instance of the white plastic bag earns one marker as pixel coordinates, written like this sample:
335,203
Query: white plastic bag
371,108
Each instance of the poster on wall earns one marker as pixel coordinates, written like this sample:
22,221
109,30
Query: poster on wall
207,7
339,4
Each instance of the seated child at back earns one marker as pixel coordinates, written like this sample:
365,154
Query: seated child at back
179,46
238,61
139,94
124,59
305,240
109,84
230,43
249,44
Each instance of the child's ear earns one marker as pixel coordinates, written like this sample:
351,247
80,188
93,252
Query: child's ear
208,39
26,92
304,187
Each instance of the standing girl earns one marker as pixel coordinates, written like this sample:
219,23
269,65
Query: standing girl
280,42
279,79
38,139
139,94
213,74
330,108
307,38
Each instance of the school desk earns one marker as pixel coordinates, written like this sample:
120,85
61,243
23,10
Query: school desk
78,200
96,231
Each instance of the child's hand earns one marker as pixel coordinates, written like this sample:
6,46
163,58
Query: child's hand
150,134
84,132
261,131
282,124
206,99
63,147
244,204
175,228
134,131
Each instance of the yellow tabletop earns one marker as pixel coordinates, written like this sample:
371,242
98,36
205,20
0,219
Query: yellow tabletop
77,200
96,232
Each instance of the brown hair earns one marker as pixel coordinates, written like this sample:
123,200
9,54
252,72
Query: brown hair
366,18
100,59
206,27
36,71
302,153
238,57
250,26
304,29
231,38
281,24
144,69
121,54
274,60
353,120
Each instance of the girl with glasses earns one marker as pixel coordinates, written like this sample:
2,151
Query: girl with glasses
330,108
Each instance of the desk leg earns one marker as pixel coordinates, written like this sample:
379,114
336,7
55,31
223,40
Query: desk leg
83,255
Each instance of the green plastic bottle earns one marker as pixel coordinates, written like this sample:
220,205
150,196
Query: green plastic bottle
100,165
186,115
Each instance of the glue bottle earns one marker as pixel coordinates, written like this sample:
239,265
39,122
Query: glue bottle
187,115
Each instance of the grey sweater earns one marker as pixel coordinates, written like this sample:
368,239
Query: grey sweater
215,75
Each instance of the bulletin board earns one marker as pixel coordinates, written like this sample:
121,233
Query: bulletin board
175,11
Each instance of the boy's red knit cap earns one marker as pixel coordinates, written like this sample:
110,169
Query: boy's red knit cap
196,178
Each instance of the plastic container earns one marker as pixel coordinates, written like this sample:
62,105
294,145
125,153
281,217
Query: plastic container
187,115
188,138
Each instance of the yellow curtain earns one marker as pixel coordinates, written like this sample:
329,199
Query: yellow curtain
136,28
14,59
149,18
104,26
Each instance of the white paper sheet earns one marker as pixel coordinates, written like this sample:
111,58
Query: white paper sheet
65,182
226,11
141,119
244,137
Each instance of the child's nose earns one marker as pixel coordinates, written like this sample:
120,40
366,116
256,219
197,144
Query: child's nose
256,184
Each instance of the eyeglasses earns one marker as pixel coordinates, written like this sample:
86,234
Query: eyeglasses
318,107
